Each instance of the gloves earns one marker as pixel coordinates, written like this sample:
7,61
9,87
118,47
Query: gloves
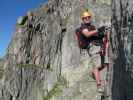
101,31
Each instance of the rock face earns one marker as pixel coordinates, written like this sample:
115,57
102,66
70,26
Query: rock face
43,61
122,47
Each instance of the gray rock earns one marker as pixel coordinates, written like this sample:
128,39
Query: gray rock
43,60
121,52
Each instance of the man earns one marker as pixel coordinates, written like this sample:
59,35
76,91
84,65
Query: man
93,39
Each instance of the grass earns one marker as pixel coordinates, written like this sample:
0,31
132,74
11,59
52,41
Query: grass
57,88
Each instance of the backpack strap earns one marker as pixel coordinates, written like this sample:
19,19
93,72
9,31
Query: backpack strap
78,38
78,34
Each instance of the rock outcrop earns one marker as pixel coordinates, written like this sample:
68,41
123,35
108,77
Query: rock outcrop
121,39
43,61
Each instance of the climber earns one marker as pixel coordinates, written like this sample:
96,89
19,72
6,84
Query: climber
89,37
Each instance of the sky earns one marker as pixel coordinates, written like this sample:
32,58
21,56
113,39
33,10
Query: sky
10,10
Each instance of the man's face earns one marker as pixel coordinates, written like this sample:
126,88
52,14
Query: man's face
86,19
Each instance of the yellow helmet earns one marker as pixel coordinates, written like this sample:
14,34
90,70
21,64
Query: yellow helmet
86,14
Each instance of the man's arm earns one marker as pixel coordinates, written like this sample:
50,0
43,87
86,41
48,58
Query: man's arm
89,33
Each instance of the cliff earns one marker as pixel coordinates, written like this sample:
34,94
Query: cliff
43,61
121,68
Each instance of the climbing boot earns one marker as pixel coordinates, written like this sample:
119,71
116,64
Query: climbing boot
100,89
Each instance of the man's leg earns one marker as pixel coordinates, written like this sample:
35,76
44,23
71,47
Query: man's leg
100,68
96,74
96,61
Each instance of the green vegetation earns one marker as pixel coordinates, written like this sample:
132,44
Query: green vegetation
48,67
28,65
22,20
1,59
57,88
